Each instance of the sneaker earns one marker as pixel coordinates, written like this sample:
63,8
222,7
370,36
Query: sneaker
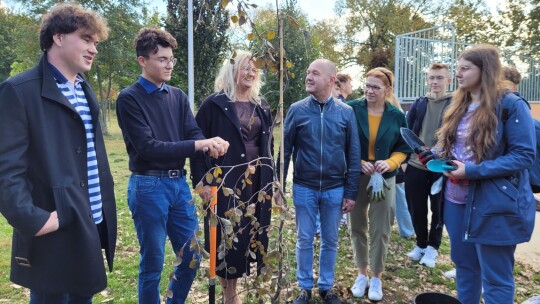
360,284
329,297
450,274
416,253
375,289
303,297
430,257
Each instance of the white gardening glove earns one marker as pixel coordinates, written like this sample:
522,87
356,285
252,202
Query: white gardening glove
375,187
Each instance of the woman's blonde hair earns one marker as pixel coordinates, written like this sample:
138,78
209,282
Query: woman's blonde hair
227,79
484,119
387,77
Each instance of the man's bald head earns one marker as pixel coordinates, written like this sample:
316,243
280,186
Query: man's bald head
320,79
328,65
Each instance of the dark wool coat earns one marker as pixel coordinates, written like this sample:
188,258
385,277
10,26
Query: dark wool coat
217,117
43,169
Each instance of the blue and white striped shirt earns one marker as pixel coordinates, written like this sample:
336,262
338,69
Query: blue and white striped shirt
75,94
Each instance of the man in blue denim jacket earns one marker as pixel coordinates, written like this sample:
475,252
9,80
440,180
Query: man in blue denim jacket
321,134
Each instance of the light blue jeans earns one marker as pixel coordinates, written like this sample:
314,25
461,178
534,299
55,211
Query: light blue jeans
403,217
308,203
161,207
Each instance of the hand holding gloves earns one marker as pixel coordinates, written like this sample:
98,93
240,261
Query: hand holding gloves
425,154
375,187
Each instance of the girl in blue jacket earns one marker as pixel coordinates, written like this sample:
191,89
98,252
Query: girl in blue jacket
489,206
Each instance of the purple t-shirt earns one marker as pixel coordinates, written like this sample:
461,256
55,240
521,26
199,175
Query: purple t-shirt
457,193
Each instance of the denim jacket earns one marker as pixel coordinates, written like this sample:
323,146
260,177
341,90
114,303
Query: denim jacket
501,207
324,145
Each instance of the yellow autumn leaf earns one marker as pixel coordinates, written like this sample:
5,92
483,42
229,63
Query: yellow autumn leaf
224,3
234,19
271,35
293,22
208,178
250,36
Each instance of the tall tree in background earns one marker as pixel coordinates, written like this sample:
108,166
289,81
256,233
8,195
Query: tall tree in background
518,27
300,51
325,38
116,66
19,48
470,18
209,39
534,39
371,27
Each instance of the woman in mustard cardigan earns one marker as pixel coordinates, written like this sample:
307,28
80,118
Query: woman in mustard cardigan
379,118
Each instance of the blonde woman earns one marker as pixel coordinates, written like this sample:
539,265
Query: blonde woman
379,119
236,112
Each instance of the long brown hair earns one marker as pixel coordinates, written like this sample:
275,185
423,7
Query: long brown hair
484,119
387,77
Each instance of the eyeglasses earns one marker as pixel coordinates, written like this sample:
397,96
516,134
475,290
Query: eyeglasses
439,78
165,61
372,87
248,69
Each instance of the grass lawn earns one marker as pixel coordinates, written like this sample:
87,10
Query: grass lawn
402,279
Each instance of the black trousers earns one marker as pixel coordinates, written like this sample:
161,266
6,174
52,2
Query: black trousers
417,190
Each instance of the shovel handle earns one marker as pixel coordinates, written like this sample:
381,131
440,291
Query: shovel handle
213,233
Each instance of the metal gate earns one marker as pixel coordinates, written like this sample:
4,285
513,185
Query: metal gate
416,51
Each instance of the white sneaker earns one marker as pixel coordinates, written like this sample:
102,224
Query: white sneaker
375,289
360,285
416,253
430,257
450,274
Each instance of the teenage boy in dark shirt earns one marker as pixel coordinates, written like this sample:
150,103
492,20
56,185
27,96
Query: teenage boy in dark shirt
160,132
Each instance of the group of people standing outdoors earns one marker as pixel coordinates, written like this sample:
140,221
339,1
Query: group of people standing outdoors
57,189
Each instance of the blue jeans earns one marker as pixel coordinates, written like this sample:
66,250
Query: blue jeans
161,207
403,217
37,297
308,203
477,265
